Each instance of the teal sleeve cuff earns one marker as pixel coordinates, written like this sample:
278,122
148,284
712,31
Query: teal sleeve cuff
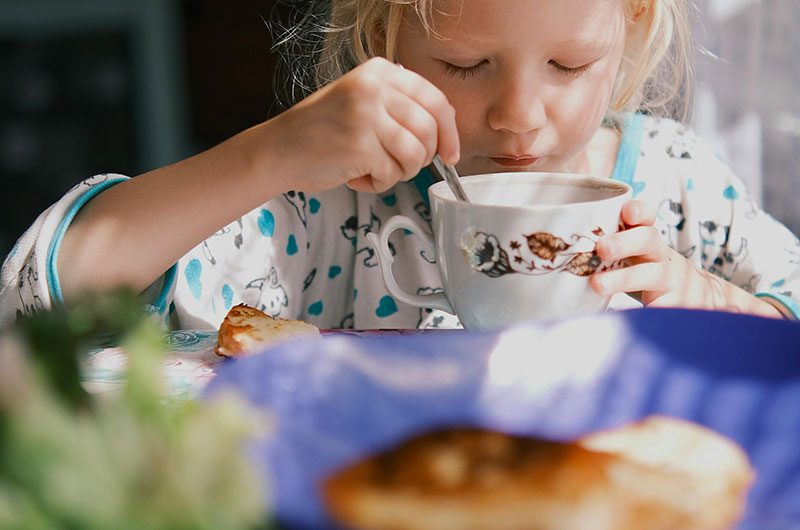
54,285
160,303
791,305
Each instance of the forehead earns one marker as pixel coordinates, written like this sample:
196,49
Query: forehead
483,21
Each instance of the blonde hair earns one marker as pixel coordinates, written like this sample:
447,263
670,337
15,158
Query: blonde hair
655,75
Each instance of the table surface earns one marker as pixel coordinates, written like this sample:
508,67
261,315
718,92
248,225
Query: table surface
190,363
354,391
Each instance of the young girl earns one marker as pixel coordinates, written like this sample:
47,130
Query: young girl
276,216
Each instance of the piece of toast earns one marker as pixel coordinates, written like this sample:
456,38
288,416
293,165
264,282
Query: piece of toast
473,478
246,330
719,468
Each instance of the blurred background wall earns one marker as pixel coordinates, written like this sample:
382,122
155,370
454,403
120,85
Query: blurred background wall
748,97
89,86
96,86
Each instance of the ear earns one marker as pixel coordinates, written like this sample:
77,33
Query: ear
640,11
639,16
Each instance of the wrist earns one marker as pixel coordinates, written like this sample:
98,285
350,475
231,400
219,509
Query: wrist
731,298
263,162
787,307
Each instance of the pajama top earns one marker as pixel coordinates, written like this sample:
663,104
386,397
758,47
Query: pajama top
306,256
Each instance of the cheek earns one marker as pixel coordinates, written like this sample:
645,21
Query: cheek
585,104
468,107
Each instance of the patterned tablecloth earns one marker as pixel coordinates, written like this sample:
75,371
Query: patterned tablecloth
190,363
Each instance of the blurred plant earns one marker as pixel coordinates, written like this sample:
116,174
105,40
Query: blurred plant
129,460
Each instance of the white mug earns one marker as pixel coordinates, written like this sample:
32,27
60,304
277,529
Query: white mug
521,249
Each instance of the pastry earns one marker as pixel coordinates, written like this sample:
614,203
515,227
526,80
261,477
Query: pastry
469,478
246,330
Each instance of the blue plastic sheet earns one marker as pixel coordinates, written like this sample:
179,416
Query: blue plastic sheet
337,399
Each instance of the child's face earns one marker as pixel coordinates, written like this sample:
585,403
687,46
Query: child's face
530,79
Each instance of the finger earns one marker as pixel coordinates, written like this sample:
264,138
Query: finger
363,184
641,241
405,148
637,213
435,102
646,276
370,184
386,169
415,118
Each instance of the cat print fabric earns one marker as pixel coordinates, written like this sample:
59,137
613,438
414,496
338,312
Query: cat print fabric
307,256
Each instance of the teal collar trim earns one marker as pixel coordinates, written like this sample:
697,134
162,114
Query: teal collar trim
629,148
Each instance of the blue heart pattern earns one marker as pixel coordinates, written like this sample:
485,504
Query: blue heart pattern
386,307
192,272
730,193
315,308
227,296
266,223
291,246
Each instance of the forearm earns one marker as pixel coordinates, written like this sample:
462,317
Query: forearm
131,233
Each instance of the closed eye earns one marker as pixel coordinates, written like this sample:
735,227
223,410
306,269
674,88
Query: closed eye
569,70
464,72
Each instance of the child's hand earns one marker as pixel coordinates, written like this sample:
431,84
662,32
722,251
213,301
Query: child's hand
660,276
373,127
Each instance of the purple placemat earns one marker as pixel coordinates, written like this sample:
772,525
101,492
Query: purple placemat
336,399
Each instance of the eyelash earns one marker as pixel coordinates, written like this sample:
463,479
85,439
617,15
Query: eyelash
464,72
566,70
468,72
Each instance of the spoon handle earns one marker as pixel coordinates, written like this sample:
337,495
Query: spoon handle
448,173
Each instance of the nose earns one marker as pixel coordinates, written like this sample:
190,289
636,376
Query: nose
517,108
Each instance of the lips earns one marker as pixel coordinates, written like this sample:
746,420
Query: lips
514,161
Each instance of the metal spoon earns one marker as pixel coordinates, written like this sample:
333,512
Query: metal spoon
448,173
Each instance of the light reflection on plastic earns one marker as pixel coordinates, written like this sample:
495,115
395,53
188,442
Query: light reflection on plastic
406,373
544,359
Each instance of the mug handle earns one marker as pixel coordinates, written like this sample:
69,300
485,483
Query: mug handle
380,242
